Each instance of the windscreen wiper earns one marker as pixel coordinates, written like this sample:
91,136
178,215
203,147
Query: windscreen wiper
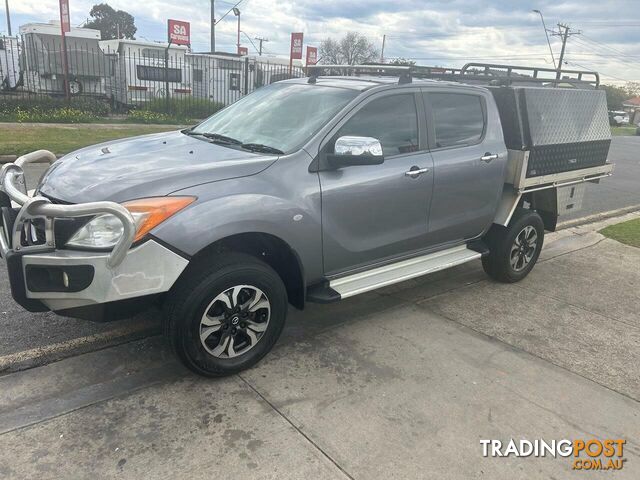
216,137
221,138
259,147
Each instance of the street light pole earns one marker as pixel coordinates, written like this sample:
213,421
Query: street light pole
236,12
6,7
547,35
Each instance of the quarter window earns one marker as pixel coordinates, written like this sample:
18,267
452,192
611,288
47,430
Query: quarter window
459,118
392,120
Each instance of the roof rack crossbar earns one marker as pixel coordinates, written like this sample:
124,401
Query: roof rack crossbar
401,71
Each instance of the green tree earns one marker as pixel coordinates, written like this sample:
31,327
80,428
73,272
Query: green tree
615,96
111,23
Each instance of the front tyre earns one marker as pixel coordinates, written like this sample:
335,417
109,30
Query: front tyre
514,250
224,316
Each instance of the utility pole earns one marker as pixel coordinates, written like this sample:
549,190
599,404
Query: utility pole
565,36
213,27
384,38
6,7
260,39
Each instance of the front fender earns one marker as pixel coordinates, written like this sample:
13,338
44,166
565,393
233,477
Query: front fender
292,215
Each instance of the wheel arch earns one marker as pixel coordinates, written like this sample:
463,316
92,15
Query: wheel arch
268,248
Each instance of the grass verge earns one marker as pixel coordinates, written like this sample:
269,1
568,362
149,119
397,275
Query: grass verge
625,232
623,131
64,138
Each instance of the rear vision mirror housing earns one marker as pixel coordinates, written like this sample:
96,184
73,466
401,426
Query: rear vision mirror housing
353,150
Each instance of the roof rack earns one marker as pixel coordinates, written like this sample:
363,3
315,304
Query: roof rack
476,73
520,74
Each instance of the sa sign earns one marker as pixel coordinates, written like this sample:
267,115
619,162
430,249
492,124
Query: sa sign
312,55
179,32
296,46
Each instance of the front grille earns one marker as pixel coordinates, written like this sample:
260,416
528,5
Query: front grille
64,228
33,231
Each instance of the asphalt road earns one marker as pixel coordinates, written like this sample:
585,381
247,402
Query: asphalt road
622,189
46,337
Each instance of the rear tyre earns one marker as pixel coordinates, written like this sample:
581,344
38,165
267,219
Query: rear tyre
224,316
514,250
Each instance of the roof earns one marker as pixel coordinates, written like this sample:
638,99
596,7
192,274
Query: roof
363,82
53,28
632,102
116,42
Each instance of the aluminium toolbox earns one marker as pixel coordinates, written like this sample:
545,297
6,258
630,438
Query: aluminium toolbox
562,129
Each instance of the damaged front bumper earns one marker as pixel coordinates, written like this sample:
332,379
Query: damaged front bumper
45,277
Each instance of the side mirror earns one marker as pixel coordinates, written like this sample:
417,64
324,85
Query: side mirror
350,150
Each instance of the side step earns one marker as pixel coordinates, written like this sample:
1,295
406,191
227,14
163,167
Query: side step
401,271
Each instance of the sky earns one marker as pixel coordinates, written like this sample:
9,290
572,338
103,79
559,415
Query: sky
435,32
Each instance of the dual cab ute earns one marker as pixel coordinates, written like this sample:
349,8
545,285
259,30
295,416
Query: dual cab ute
312,189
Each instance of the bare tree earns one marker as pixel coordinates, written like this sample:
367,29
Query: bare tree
352,49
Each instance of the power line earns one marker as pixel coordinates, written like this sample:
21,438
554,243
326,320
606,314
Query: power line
603,74
251,41
229,11
606,54
604,45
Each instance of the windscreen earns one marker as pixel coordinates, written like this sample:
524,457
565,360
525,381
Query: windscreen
283,116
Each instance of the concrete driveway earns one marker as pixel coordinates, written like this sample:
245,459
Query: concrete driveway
401,383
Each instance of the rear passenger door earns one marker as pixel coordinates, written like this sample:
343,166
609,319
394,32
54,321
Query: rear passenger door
469,157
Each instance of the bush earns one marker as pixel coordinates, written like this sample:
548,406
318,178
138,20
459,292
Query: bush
183,108
60,115
147,116
47,104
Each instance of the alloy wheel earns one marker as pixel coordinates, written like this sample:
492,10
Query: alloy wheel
235,321
523,248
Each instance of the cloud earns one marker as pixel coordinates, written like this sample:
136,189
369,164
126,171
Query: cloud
442,32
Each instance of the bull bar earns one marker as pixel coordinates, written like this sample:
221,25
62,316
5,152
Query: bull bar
12,182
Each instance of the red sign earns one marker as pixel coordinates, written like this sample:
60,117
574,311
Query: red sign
179,32
312,55
65,21
243,51
296,46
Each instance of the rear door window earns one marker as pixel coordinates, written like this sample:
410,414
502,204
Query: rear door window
459,119
391,119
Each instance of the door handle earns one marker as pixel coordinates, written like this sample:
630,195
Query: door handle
416,172
487,157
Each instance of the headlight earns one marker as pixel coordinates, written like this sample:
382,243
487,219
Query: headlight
104,231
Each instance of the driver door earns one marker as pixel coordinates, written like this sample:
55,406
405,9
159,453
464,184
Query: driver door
371,213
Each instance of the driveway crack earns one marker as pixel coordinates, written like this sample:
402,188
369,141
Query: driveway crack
304,435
